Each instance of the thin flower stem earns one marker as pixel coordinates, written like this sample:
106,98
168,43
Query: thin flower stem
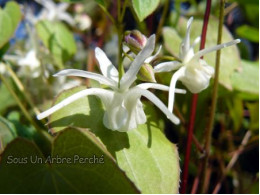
230,8
128,56
120,36
90,64
20,104
119,10
196,181
194,106
162,20
22,89
209,129
232,161
108,14
178,12
123,11
183,123
1,146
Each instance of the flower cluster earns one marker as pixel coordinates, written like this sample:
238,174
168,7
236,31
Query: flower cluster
123,107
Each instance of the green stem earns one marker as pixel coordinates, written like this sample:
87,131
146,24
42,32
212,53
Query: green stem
120,64
128,56
162,20
108,14
120,37
22,89
209,128
118,10
178,12
123,11
20,104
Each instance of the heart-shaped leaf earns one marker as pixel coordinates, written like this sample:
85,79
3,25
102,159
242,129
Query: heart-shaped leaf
9,19
144,8
78,164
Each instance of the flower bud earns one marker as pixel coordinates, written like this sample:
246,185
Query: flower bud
146,73
135,40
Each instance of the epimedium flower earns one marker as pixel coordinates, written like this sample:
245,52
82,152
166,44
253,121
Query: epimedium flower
123,107
52,11
192,71
29,63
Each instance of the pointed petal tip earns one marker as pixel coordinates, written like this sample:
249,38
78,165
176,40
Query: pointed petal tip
189,21
152,38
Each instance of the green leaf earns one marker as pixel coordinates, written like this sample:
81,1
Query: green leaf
254,115
76,173
5,97
145,154
172,40
247,79
4,49
9,19
58,39
144,8
236,111
230,60
6,28
248,32
252,13
13,10
7,132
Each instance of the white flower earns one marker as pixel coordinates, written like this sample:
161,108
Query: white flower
194,72
123,108
30,63
53,11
